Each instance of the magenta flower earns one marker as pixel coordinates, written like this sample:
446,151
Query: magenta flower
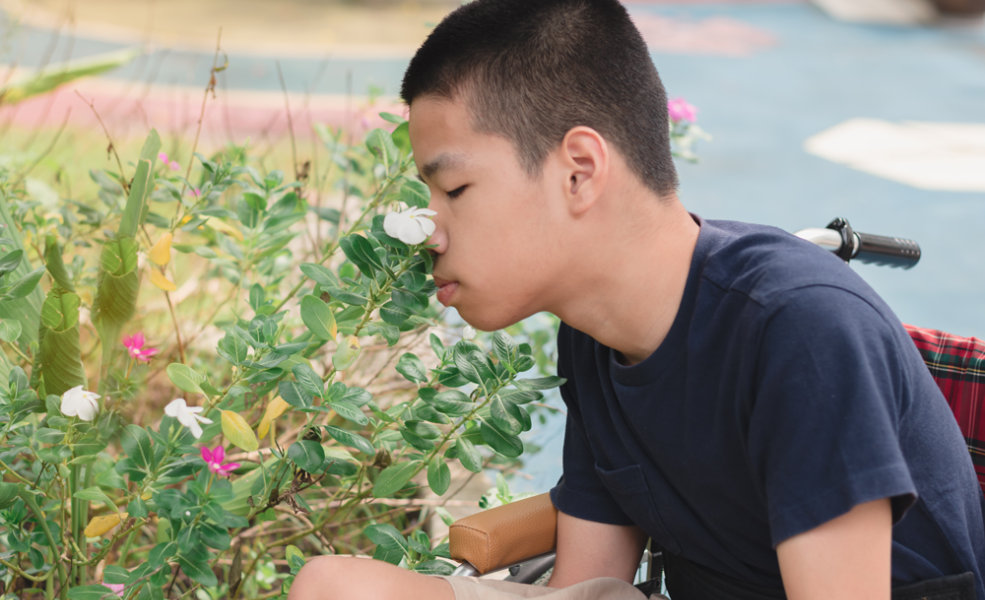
173,165
214,459
116,587
680,110
135,347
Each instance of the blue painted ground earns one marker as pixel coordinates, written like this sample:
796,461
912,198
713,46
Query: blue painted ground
760,110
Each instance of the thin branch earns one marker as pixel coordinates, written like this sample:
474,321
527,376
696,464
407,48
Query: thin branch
290,124
112,146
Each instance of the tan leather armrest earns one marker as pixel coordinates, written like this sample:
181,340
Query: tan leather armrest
505,535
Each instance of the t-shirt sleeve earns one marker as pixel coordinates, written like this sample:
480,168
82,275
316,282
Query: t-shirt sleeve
824,427
580,492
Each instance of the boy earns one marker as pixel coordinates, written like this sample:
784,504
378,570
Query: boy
736,394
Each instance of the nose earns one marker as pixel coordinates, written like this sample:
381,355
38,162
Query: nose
440,235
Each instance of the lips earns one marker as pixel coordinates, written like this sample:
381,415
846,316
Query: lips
446,289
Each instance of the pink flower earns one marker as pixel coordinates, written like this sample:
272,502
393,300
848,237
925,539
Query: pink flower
116,587
214,459
680,110
172,164
135,347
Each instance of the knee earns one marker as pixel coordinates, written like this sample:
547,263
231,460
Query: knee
313,580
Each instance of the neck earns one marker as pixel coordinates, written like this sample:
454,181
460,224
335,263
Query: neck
626,289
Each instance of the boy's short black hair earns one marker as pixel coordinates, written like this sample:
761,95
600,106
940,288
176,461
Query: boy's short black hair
531,70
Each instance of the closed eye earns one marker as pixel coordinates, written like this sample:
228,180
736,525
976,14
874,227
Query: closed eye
455,193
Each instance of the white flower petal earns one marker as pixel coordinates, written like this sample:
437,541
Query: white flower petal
422,212
411,233
205,420
174,406
427,226
196,429
87,408
391,223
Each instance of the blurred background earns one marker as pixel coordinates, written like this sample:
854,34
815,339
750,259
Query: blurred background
873,110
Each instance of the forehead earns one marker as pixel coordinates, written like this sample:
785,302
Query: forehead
443,139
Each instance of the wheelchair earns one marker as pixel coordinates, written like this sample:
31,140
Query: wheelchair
522,536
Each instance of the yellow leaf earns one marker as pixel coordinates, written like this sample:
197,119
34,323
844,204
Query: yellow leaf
146,496
224,227
238,431
100,525
158,279
160,254
275,409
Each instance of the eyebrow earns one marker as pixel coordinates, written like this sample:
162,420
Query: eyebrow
442,162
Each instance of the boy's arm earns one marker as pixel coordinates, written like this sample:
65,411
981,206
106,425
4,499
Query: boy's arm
847,558
586,550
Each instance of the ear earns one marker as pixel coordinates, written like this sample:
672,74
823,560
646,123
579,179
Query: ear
585,162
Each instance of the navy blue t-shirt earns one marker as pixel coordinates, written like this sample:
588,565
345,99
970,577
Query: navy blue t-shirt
785,393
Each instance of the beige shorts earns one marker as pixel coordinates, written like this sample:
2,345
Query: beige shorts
604,588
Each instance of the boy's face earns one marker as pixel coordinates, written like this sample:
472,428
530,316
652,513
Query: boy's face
496,228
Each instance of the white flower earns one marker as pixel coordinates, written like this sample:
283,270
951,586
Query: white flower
77,402
411,226
187,416
468,333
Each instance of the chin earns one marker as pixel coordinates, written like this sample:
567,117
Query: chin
489,319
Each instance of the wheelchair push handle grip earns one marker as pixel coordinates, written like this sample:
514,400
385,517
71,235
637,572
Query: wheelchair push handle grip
888,251
841,240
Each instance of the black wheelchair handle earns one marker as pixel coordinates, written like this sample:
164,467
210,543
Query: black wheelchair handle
888,251
839,238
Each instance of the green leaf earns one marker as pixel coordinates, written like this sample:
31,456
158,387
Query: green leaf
140,188
115,574
136,443
466,368
57,74
415,194
509,446
295,559
347,438
10,261
350,412
10,331
423,429
198,571
293,393
8,493
320,274
392,118
411,367
504,347
92,592
468,455
318,318
55,265
61,362
394,314
543,383
451,402
26,284
185,378
137,508
233,349
439,476
393,478
380,143
309,380
95,494
386,536
505,416
435,567
307,454
60,310
345,355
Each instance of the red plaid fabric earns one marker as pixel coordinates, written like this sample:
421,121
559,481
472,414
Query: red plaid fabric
958,366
